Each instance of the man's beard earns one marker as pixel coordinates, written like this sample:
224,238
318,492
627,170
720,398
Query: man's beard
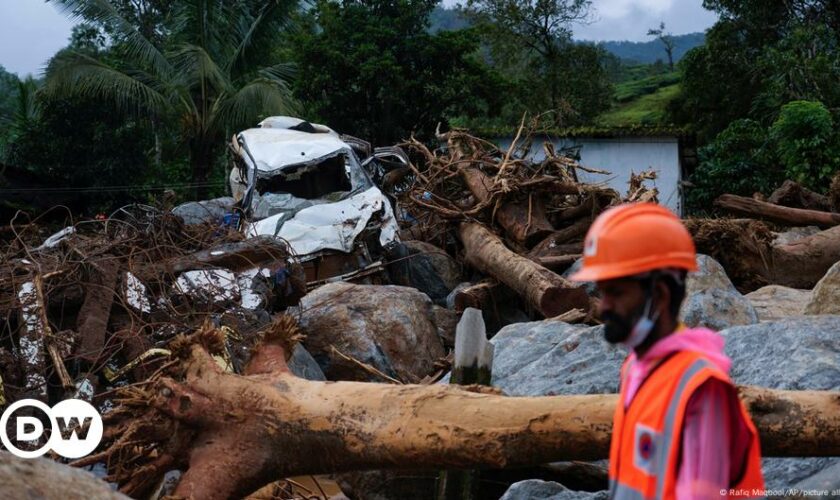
617,328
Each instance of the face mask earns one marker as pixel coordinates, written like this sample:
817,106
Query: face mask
619,330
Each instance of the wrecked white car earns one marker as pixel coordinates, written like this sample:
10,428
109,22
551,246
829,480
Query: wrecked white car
304,183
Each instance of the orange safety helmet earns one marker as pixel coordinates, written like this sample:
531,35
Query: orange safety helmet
632,239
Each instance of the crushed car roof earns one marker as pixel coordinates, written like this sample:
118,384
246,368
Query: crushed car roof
273,149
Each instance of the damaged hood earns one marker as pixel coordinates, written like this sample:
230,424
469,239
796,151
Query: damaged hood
273,149
332,226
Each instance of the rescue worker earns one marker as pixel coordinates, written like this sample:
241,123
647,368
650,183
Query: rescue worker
679,430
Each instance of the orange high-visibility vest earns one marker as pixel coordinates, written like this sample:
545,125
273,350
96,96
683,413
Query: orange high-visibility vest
645,444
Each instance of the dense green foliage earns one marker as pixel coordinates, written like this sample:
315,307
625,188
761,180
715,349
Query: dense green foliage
149,91
373,70
808,145
760,62
741,160
531,43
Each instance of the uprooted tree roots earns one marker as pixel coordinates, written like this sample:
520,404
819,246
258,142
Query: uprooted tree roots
234,433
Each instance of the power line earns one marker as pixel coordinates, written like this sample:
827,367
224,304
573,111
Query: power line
103,189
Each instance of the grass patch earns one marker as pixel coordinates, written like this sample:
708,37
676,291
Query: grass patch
646,110
634,89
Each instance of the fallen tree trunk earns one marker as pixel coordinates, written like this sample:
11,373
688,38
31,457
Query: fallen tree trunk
525,221
544,290
745,249
558,242
96,309
804,262
236,257
776,213
794,195
269,424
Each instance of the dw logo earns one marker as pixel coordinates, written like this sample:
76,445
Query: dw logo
76,428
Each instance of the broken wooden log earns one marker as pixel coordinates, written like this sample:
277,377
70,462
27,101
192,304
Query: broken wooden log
557,262
31,341
477,296
745,248
524,221
794,195
269,424
239,256
775,213
557,244
804,262
96,309
547,248
592,204
544,290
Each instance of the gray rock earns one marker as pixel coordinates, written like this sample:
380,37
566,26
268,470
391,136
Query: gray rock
199,212
774,302
551,357
711,299
825,298
425,267
796,354
827,480
304,365
795,233
39,478
391,328
535,489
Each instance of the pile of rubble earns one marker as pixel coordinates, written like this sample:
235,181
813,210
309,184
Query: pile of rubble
204,334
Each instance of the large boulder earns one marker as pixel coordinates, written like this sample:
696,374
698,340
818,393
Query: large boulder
552,357
535,489
825,299
395,329
304,365
797,354
44,479
207,211
425,267
711,299
774,302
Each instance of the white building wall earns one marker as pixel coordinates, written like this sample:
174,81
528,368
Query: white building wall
621,157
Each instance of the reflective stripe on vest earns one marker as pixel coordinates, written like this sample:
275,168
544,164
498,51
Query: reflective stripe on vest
621,491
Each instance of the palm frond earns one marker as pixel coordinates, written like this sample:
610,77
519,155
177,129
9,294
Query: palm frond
102,12
256,36
76,74
206,23
260,98
197,70
283,72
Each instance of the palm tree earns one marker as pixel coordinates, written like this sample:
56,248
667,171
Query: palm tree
209,80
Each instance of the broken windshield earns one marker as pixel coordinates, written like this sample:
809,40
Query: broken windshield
295,187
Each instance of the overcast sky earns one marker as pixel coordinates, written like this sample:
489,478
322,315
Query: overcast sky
31,31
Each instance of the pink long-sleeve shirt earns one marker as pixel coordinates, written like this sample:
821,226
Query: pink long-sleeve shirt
715,438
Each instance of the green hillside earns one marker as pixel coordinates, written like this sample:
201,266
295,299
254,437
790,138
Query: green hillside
648,109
